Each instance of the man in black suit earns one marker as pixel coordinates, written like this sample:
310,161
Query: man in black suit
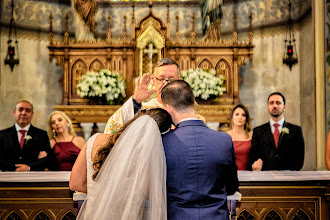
21,144
277,144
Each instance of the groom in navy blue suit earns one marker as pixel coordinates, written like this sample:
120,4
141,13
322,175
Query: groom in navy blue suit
201,165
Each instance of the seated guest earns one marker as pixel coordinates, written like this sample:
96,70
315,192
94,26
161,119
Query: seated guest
277,144
63,141
21,144
241,134
327,152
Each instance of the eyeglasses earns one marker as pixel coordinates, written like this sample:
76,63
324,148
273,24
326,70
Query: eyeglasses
162,80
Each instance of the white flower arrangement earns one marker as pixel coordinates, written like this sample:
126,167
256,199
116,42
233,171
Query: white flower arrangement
103,84
285,130
27,138
204,84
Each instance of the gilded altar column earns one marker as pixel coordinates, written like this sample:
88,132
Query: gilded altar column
140,61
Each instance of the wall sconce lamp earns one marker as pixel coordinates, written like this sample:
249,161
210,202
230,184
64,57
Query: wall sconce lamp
10,58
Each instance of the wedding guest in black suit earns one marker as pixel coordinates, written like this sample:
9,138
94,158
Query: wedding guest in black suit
21,144
277,144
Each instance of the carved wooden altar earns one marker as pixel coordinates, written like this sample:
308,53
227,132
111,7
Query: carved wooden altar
133,55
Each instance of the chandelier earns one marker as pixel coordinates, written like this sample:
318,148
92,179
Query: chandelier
10,58
290,55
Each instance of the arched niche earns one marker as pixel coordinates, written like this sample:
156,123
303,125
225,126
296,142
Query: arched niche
96,65
223,68
150,45
77,71
206,64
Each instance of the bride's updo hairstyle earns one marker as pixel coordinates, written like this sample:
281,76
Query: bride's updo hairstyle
162,118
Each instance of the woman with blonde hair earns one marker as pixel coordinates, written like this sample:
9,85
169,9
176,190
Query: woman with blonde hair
65,144
241,134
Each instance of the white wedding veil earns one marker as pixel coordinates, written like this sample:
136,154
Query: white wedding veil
131,183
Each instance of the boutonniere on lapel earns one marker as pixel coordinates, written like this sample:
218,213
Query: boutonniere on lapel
27,138
284,130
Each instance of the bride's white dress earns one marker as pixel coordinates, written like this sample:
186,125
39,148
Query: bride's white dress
132,181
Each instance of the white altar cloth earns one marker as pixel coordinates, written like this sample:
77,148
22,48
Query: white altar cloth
243,176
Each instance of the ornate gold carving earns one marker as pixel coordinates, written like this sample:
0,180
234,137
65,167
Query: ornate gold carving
235,34
50,37
241,60
78,70
125,29
222,68
66,34
177,34
150,35
250,29
214,31
109,30
85,113
206,64
150,22
96,65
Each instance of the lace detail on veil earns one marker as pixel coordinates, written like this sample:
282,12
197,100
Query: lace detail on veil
134,174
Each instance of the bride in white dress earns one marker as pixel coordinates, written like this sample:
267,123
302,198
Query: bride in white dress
124,174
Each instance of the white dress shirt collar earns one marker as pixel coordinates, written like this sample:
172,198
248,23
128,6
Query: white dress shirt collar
188,119
280,122
26,128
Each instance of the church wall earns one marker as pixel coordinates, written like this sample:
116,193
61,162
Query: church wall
307,92
267,74
34,79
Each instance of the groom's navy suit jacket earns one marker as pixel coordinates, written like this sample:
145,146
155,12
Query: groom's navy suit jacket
201,171
11,152
290,153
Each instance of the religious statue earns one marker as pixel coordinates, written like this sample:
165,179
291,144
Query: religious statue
211,12
84,22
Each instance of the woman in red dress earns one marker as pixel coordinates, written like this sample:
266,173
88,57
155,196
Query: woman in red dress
241,134
65,144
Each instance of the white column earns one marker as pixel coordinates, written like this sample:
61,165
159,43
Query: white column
87,129
101,126
213,125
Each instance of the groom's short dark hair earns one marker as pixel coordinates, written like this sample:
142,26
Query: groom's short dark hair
277,93
179,95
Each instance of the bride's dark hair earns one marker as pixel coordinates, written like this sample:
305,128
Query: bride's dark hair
162,118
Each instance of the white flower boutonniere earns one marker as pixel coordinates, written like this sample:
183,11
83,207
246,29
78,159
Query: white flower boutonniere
285,130
27,138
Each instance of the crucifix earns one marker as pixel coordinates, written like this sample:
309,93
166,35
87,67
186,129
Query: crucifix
150,51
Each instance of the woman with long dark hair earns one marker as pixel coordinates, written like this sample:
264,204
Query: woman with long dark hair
241,134
124,174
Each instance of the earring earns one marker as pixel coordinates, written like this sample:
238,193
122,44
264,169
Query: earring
54,133
67,127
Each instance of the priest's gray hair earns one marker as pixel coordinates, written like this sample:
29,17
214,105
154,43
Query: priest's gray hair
166,62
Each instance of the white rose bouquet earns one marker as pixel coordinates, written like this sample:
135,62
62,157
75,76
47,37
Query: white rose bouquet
205,84
102,85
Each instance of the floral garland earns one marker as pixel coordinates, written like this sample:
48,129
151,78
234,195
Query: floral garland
102,84
204,83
